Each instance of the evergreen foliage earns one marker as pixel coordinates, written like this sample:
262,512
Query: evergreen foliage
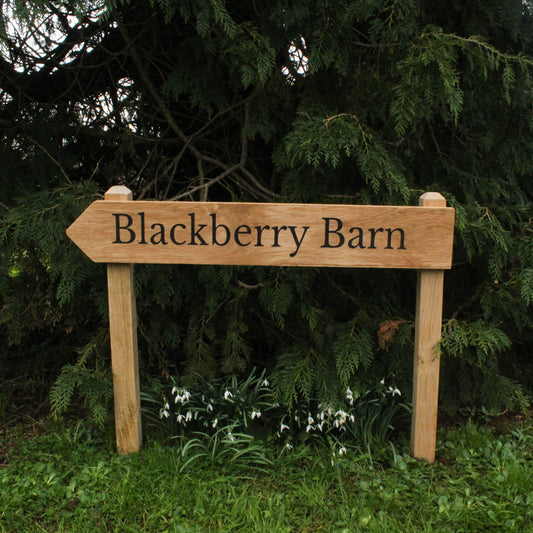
360,101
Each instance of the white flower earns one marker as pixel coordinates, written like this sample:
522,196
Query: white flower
283,428
394,391
231,437
214,424
256,414
310,419
309,428
382,381
164,413
180,418
288,446
349,396
182,396
174,390
265,383
228,395
188,416
340,418
209,407
342,451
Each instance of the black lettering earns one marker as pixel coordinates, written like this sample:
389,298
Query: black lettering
215,229
160,233
277,230
172,235
295,237
328,231
242,230
260,230
357,241
143,239
195,234
389,238
118,228
373,232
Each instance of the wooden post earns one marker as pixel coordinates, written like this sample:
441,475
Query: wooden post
428,324
124,355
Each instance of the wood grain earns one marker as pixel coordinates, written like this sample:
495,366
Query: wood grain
266,234
124,355
428,326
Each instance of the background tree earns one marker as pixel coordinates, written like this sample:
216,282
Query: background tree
364,101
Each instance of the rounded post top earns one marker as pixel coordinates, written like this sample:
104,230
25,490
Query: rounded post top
432,199
118,193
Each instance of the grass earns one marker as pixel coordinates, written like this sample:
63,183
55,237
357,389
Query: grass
70,479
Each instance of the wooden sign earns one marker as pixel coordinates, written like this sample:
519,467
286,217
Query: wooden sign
121,232
266,234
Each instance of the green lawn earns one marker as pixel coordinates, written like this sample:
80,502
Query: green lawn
70,480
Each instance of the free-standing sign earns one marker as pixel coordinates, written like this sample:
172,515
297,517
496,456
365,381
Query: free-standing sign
121,232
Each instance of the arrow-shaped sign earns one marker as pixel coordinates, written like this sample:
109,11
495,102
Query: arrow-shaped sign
265,234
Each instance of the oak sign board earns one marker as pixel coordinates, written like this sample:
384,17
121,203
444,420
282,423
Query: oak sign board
121,232
266,234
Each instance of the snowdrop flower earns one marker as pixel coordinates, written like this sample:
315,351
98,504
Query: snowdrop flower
215,423
349,396
174,390
164,412
283,428
288,446
183,397
256,414
228,395
382,381
394,391
180,418
310,419
231,437
342,451
209,407
340,419
341,415
309,428
188,416
265,383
